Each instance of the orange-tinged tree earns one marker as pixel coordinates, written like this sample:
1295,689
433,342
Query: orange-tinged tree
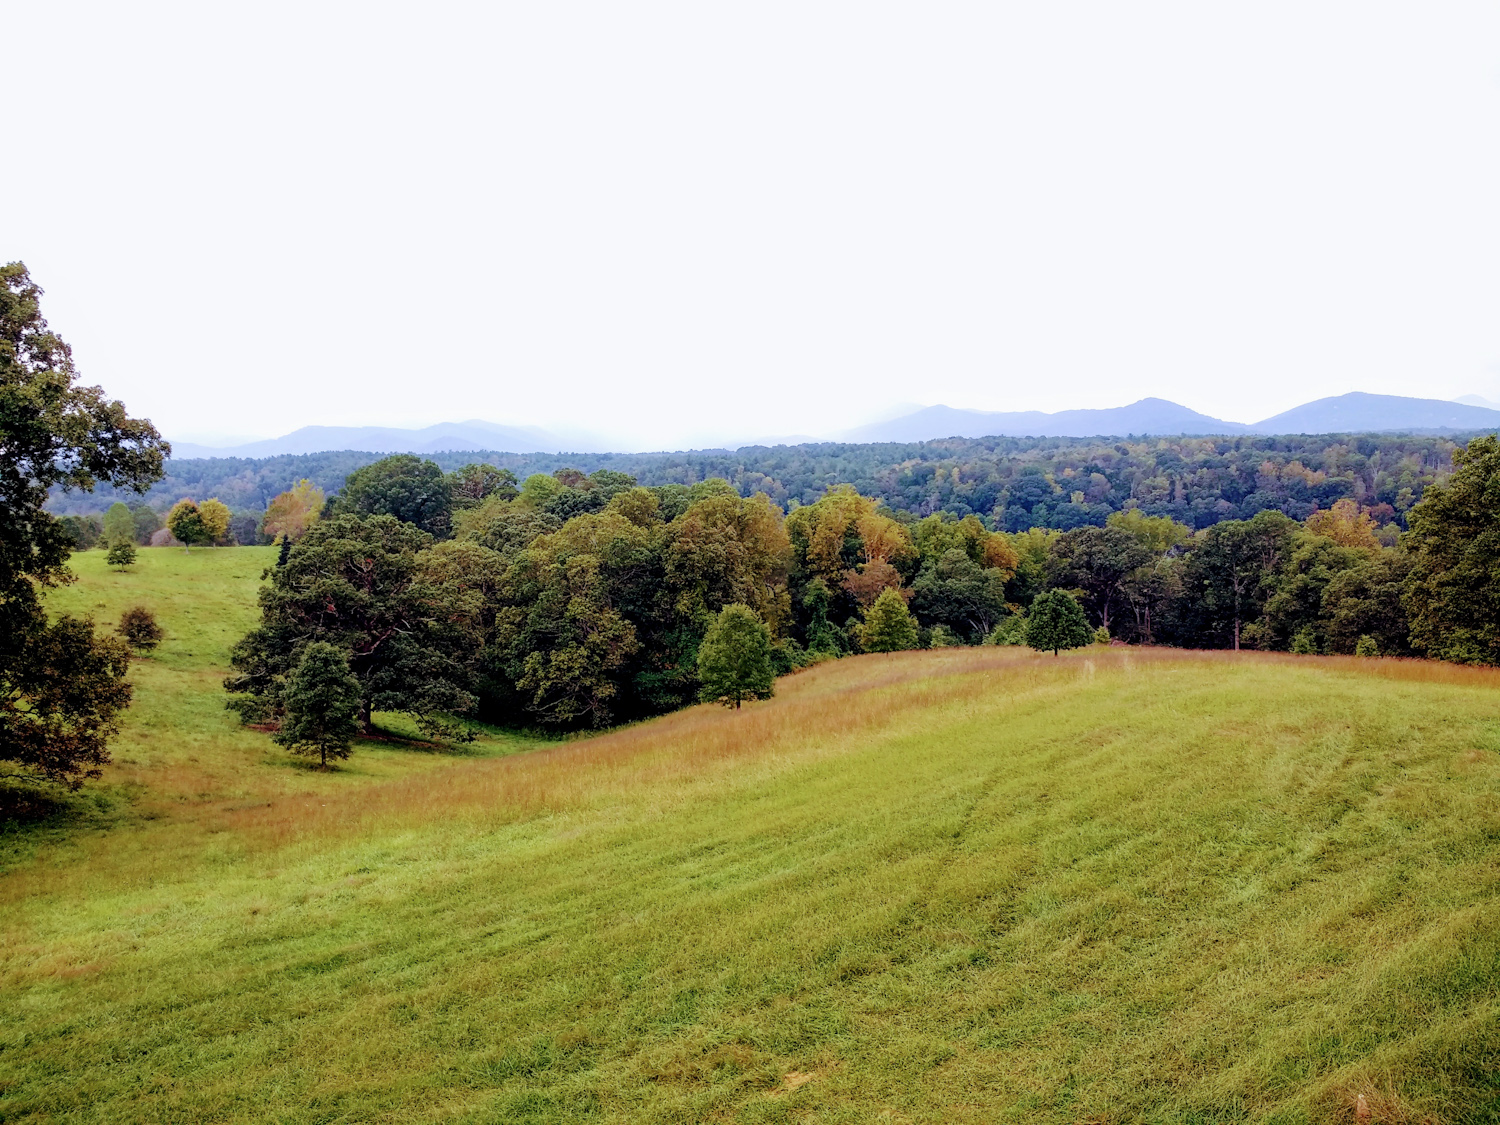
291,513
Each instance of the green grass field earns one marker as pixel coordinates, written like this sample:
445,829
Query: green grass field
955,886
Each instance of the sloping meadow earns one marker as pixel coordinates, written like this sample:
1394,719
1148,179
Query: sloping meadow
960,885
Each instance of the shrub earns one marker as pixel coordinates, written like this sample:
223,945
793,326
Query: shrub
1010,631
943,637
1366,646
121,555
139,628
1305,643
1101,636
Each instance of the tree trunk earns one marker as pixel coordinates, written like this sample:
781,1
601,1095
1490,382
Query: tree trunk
365,725
736,703
1236,632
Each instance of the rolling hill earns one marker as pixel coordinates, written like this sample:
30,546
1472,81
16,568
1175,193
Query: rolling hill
970,885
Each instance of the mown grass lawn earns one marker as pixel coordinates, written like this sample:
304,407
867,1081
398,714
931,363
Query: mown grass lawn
954,886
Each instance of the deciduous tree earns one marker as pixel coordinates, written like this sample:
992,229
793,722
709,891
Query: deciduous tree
119,525
734,660
1056,621
61,686
404,486
1453,596
215,517
291,513
889,626
185,522
121,556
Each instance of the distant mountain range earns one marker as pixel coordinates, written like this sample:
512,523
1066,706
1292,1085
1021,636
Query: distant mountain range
1351,413
444,436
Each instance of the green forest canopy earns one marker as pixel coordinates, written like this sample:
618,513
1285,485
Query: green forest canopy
1009,483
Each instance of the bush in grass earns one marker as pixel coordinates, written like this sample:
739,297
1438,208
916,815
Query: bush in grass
943,637
320,704
735,658
1010,631
121,555
1305,643
139,629
1101,636
1056,622
1366,646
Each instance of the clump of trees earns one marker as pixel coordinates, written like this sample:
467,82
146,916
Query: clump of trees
62,686
579,600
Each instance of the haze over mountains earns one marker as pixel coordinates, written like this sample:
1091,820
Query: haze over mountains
1348,413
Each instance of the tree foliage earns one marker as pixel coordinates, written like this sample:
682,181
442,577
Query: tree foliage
320,704
734,660
291,513
412,490
1453,596
186,524
121,556
61,686
358,584
889,626
1056,621
138,629
119,524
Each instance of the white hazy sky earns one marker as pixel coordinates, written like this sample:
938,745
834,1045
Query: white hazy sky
678,223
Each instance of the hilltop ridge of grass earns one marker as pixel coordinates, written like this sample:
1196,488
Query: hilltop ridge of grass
966,885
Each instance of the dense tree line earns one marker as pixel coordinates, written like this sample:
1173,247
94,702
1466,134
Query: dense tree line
1009,483
576,599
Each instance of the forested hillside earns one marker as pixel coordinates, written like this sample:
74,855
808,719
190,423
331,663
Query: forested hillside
1010,483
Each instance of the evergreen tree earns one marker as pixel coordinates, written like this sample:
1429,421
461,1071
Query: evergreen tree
1056,621
734,660
320,704
359,585
889,626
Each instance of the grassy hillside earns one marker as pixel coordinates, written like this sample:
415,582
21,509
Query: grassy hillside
958,886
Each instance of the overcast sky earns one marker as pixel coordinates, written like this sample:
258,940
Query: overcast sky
675,224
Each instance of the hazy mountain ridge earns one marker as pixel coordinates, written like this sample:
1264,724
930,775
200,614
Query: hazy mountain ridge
1356,412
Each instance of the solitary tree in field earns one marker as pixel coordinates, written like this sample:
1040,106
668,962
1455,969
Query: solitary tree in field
61,686
139,629
1057,621
121,556
186,523
119,524
734,660
215,516
889,625
321,704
